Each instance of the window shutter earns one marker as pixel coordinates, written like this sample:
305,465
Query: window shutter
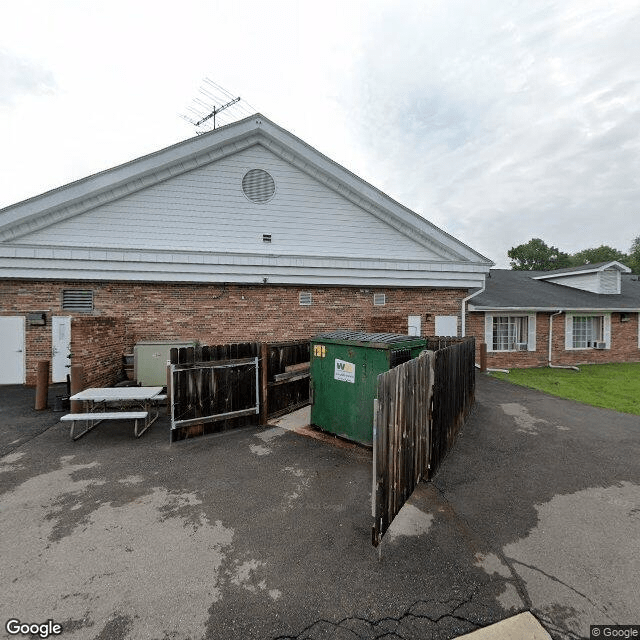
488,331
531,338
568,332
606,330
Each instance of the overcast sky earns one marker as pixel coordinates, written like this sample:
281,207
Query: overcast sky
499,121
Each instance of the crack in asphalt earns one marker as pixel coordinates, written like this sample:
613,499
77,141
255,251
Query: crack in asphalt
553,628
517,580
564,584
375,628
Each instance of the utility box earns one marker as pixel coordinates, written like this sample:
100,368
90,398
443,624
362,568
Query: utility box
150,361
344,377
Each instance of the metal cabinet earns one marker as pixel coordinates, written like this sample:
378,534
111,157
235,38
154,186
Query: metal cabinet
150,361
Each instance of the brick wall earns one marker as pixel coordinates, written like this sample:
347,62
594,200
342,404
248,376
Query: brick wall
624,344
215,314
98,344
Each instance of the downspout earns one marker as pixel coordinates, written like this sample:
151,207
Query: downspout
556,366
463,323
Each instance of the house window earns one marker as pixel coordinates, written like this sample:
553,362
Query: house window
510,333
588,331
77,300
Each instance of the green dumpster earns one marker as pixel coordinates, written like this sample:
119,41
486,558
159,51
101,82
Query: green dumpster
344,377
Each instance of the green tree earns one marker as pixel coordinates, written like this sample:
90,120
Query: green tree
536,255
603,253
633,261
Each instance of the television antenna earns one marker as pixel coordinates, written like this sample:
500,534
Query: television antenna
206,112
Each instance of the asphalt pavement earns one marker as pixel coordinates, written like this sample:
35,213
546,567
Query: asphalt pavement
265,533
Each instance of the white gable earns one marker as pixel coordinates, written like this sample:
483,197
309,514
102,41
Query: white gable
605,278
206,210
180,215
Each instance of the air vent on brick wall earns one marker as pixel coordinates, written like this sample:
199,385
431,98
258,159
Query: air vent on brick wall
77,300
379,299
305,298
258,186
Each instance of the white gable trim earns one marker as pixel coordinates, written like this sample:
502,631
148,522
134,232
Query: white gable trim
582,310
185,266
86,194
614,264
83,195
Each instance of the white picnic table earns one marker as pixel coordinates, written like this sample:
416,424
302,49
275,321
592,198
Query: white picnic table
97,399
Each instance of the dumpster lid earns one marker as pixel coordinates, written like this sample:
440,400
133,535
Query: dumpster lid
361,336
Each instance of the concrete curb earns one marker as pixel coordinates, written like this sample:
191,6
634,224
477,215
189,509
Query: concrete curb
523,626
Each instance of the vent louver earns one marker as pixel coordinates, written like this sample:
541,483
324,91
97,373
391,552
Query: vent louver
77,300
258,186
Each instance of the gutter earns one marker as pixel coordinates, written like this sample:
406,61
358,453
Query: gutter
463,322
556,366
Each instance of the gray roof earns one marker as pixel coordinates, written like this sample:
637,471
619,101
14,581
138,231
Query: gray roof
507,289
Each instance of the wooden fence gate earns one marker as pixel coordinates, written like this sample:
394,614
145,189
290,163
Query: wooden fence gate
213,384
421,406
231,385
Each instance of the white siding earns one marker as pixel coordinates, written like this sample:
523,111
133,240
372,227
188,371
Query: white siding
610,281
586,281
607,281
205,210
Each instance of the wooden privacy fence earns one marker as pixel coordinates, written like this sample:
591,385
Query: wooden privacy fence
454,392
232,385
421,406
285,377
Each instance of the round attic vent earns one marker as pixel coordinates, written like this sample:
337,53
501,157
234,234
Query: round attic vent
258,186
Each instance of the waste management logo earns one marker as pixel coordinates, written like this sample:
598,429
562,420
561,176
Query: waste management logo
345,371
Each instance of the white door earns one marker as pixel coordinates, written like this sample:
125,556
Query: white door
447,326
12,367
415,326
60,347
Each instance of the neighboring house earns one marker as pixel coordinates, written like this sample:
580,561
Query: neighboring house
240,234
589,314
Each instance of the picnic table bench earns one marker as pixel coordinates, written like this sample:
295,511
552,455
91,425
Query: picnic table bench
97,399
96,417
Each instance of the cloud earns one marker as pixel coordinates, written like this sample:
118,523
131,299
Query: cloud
20,77
505,122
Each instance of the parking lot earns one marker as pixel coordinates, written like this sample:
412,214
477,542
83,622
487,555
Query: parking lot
264,533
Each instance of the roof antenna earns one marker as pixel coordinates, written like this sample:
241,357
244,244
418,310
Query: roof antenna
216,110
204,113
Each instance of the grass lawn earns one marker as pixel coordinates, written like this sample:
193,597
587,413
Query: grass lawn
613,386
